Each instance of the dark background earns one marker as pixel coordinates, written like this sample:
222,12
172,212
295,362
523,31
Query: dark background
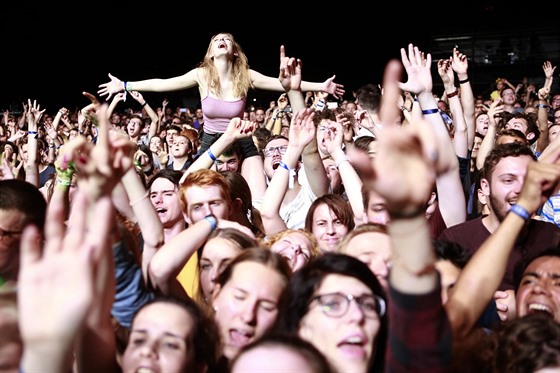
53,53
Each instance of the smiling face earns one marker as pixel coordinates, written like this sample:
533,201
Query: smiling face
247,305
160,344
347,341
327,228
505,186
539,290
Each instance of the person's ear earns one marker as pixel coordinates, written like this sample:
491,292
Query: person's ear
530,136
237,204
485,187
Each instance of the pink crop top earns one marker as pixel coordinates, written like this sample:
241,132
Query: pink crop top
217,113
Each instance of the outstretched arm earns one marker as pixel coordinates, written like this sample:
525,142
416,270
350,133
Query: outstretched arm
115,85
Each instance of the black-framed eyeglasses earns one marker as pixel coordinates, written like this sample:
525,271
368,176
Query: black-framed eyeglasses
269,152
337,304
6,234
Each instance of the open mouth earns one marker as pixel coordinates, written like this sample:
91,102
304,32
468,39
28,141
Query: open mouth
539,308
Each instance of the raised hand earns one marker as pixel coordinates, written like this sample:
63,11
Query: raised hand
290,71
417,65
459,62
335,89
59,281
108,89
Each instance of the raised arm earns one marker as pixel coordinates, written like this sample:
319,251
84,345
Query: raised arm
115,85
302,132
483,273
155,122
350,179
291,79
460,65
496,107
404,172
451,198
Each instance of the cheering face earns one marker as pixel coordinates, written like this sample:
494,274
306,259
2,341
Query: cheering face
539,291
165,198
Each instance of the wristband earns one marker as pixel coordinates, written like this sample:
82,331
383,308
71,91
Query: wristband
284,166
453,94
64,182
520,211
144,104
211,155
211,219
543,106
127,86
343,159
31,132
464,81
430,111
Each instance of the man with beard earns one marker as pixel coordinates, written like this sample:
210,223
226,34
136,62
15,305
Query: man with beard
502,177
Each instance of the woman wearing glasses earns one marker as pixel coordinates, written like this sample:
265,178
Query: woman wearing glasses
337,304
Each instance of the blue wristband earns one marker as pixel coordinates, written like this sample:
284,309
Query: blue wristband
211,155
430,111
284,166
211,219
521,212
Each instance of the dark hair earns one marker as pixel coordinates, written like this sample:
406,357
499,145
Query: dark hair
24,197
532,126
174,176
205,336
527,344
240,189
362,142
512,132
337,204
369,97
294,343
499,152
298,295
457,254
522,265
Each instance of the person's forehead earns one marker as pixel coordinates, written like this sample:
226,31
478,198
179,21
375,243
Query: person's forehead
545,264
277,142
512,165
162,183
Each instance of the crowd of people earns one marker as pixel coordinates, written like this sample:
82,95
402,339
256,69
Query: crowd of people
399,230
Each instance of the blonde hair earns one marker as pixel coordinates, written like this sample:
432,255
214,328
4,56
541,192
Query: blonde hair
240,74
